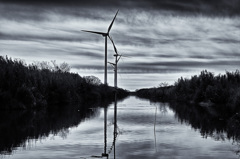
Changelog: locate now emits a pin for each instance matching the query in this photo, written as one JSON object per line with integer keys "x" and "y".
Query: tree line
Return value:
{"x": 40, "y": 86}
{"x": 220, "y": 90}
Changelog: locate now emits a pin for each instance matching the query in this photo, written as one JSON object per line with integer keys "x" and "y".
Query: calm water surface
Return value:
{"x": 144, "y": 130}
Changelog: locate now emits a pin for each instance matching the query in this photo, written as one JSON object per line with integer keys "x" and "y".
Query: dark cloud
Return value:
{"x": 226, "y": 40}
{"x": 93, "y": 67}
{"x": 167, "y": 56}
{"x": 88, "y": 54}
{"x": 132, "y": 68}
{"x": 51, "y": 37}
{"x": 218, "y": 7}
{"x": 213, "y": 6}
{"x": 206, "y": 57}
{"x": 21, "y": 12}
{"x": 188, "y": 63}
{"x": 175, "y": 66}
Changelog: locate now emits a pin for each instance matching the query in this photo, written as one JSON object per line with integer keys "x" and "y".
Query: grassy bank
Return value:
{"x": 32, "y": 87}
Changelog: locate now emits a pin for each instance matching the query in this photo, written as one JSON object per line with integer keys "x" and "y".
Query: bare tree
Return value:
{"x": 93, "y": 80}
{"x": 53, "y": 66}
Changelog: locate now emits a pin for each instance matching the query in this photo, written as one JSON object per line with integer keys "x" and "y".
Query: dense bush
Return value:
{"x": 219, "y": 90}
{"x": 41, "y": 86}
{"x": 223, "y": 91}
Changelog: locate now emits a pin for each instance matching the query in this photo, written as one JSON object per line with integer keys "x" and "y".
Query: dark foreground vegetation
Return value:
{"x": 39, "y": 86}
{"x": 218, "y": 96}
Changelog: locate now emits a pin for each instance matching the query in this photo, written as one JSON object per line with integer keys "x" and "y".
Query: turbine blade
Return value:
{"x": 111, "y": 63}
{"x": 115, "y": 49}
{"x": 110, "y": 26}
{"x": 122, "y": 59}
{"x": 95, "y": 32}
{"x": 119, "y": 58}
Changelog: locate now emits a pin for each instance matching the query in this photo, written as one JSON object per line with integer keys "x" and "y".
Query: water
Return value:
{"x": 144, "y": 130}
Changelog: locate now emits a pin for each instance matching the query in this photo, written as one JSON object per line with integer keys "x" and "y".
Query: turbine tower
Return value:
{"x": 105, "y": 35}
{"x": 117, "y": 58}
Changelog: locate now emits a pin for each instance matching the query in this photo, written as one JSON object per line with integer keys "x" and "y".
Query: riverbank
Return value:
{"x": 204, "y": 89}
{"x": 218, "y": 95}
{"x": 39, "y": 86}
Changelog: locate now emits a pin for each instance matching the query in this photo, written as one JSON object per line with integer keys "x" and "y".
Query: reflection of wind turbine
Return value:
{"x": 104, "y": 35}
{"x": 115, "y": 124}
{"x": 115, "y": 133}
{"x": 155, "y": 129}
{"x": 104, "y": 154}
{"x": 105, "y": 133}
{"x": 117, "y": 58}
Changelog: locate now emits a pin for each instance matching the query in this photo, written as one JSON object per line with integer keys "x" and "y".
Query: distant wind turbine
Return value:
{"x": 105, "y": 35}
{"x": 117, "y": 58}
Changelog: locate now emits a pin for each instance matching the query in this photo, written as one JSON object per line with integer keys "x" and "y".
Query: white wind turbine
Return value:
{"x": 117, "y": 58}
{"x": 105, "y": 35}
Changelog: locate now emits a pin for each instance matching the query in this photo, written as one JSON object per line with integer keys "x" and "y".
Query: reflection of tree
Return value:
{"x": 163, "y": 108}
{"x": 63, "y": 133}
{"x": 209, "y": 121}
{"x": 17, "y": 128}
{"x": 237, "y": 145}
{"x": 200, "y": 118}
{"x": 234, "y": 126}
{"x": 238, "y": 151}
{"x": 219, "y": 136}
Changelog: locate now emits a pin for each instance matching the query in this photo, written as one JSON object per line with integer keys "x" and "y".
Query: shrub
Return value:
{"x": 38, "y": 86}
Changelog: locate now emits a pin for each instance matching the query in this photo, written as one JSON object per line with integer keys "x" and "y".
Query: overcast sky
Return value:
{"x": 166, "y": 39}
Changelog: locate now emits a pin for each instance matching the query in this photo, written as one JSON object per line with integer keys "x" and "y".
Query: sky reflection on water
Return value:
{"x": 135, "y": 139}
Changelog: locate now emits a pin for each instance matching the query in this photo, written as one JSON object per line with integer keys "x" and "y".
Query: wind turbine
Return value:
{"x": 117, "y": 58}
{"x": 105, "y": 35}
